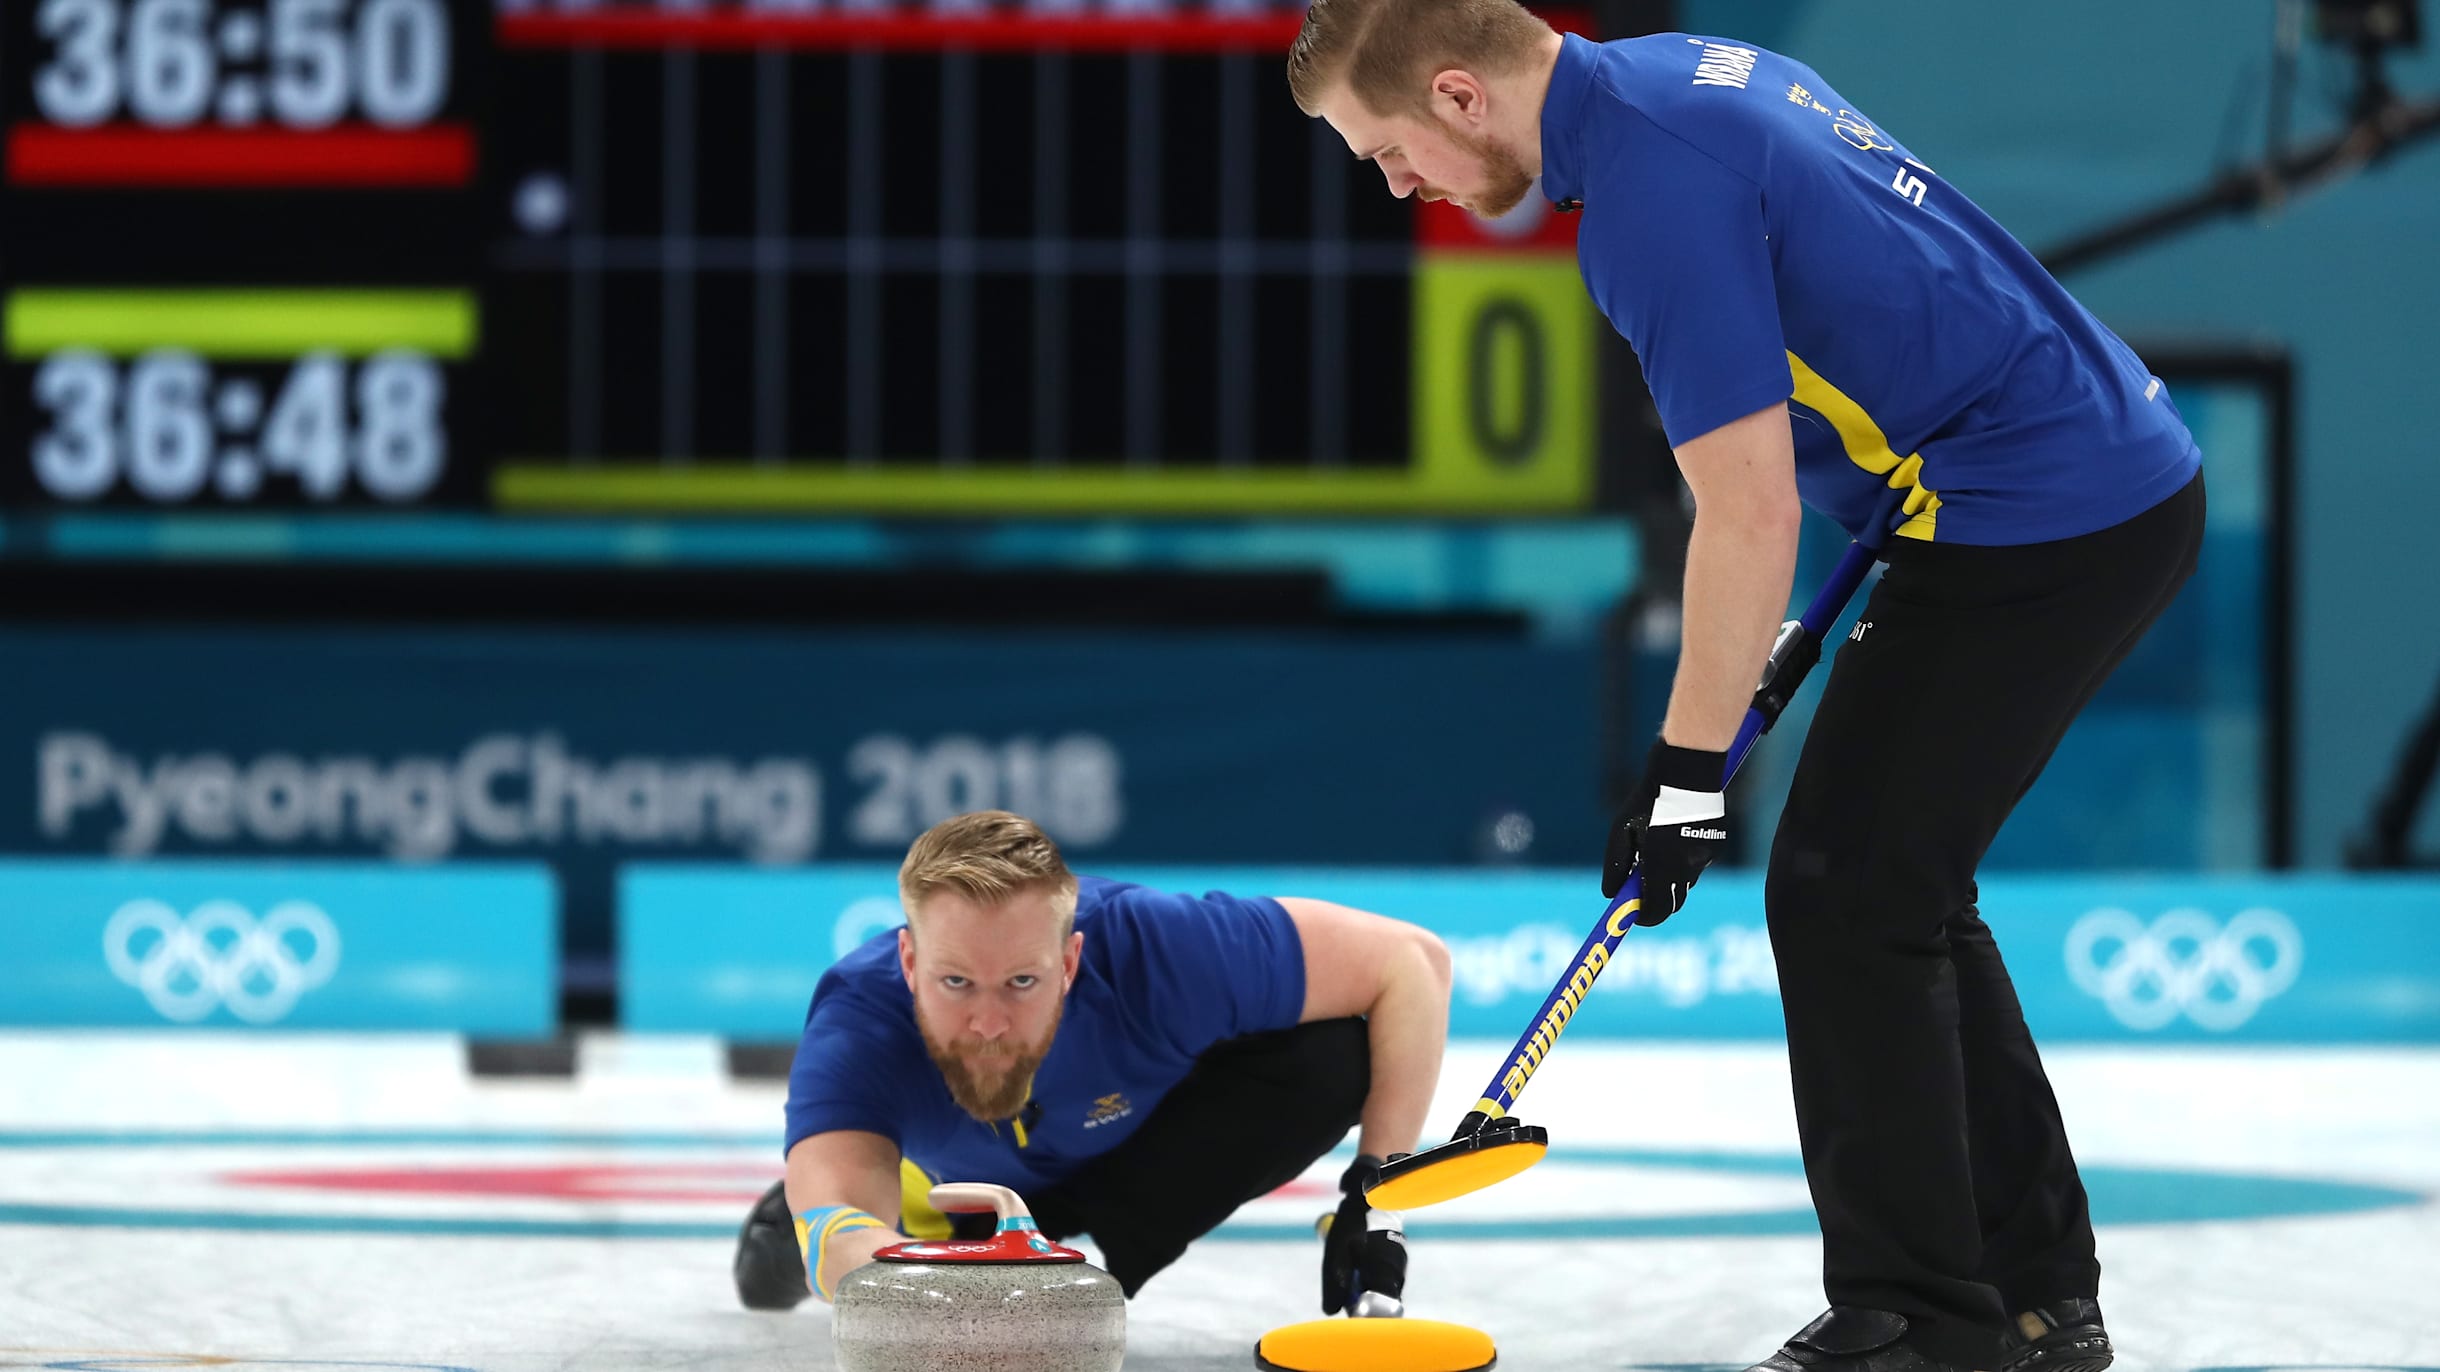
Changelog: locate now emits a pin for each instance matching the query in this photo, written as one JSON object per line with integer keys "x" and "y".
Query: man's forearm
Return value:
{"x": 827, "y": 1263}
{"x": 818, "y": 1195}
{"x": 1407, "y": 1029}
{"x": 1738, "y": 572}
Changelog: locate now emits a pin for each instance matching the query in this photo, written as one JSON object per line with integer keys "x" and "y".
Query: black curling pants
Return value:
{"x": 1251, "y": 1117}
{"x": 1938, "y": 1163}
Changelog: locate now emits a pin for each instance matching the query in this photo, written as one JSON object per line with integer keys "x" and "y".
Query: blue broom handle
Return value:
{"x": 1818, "y": 617}
{"x": 1567, "y": 997}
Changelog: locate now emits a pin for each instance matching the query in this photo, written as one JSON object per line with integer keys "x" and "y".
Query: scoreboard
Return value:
{"x": 241, "y": 253}
{"x": 761, "y": 255}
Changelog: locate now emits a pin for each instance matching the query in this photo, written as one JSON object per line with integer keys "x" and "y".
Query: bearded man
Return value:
{"x": 1137, "y": 1064}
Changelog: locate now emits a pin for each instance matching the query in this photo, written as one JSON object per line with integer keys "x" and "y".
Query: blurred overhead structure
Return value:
{"x": 2379, "y": 122}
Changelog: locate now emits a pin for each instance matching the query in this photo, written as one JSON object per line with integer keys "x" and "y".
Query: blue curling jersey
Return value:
{"x": 1759, "y": 240}
{"x": 1161, "y": 978}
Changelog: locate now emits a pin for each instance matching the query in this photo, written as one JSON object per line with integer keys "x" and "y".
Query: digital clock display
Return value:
{"x": 196, "y": 92}
{"x": 172, "y": 63}
{"x": 235, "y": 397}
{"x": 242, "y": 252}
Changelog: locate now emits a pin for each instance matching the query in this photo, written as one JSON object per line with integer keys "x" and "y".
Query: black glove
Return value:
{"x": 1677, "y": 823}
{"x": 1363, "y": 1249}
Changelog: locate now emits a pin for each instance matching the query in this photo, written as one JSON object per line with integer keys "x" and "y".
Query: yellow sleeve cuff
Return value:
{"x": 814, "y": 1231}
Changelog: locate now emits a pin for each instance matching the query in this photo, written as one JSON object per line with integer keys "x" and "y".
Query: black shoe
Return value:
{"x": 2063, "y": 1336}
{"x": 1849, "y": 1338}
{"x": 769, "y": 1268}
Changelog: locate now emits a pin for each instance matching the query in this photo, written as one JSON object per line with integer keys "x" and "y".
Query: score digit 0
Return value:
{"x": 1507, "y": 379}
{"x": 1503, "y": 364}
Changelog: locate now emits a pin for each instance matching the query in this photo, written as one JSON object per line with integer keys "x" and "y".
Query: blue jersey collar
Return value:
{"x": 1571, "y": 80}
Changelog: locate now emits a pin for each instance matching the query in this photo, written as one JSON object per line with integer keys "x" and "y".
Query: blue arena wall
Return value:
{"x": 734, "y": 951}
{"x": 589, "y": 749}
{"x": 2306, "y": 960}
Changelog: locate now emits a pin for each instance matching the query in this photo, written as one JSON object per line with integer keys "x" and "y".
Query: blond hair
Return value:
{"x": 987, "y": 857}
{"x": 1387, "y": 51}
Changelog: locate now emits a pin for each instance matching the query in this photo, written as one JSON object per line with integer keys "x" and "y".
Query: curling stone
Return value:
{"x": 1015, "y": 1302}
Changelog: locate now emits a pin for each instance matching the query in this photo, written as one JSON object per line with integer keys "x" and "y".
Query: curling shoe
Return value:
{"x": 769, "y": 1268}
{"x": 2063, "y": 1336}
{"x": 1849, "y": 1338}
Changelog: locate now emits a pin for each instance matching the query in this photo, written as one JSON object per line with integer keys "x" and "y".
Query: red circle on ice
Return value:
{"x": 741, "y": 1183}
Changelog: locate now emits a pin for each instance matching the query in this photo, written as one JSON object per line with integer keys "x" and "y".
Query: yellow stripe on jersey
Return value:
{"x": 916, "y": 1217}
{"x": 1868, "y": 448}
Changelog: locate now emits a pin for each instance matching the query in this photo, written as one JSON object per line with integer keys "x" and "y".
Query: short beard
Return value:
{"x": 1002, "y": 1094}
{"x": 1507, "y": 182}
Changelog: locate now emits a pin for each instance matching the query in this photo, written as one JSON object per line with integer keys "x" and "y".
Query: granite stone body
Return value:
{"x": 979, "y": 1317}
{"x": 1013, "y": 1303}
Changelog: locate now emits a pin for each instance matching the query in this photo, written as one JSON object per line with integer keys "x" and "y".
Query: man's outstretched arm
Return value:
{"x": 843, "y": 1191}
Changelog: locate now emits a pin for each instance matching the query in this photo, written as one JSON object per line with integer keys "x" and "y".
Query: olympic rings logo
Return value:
{"x": 860, "y": 921}
{"x": 220, "y": 955}
{"x": 2184, "y": 963}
